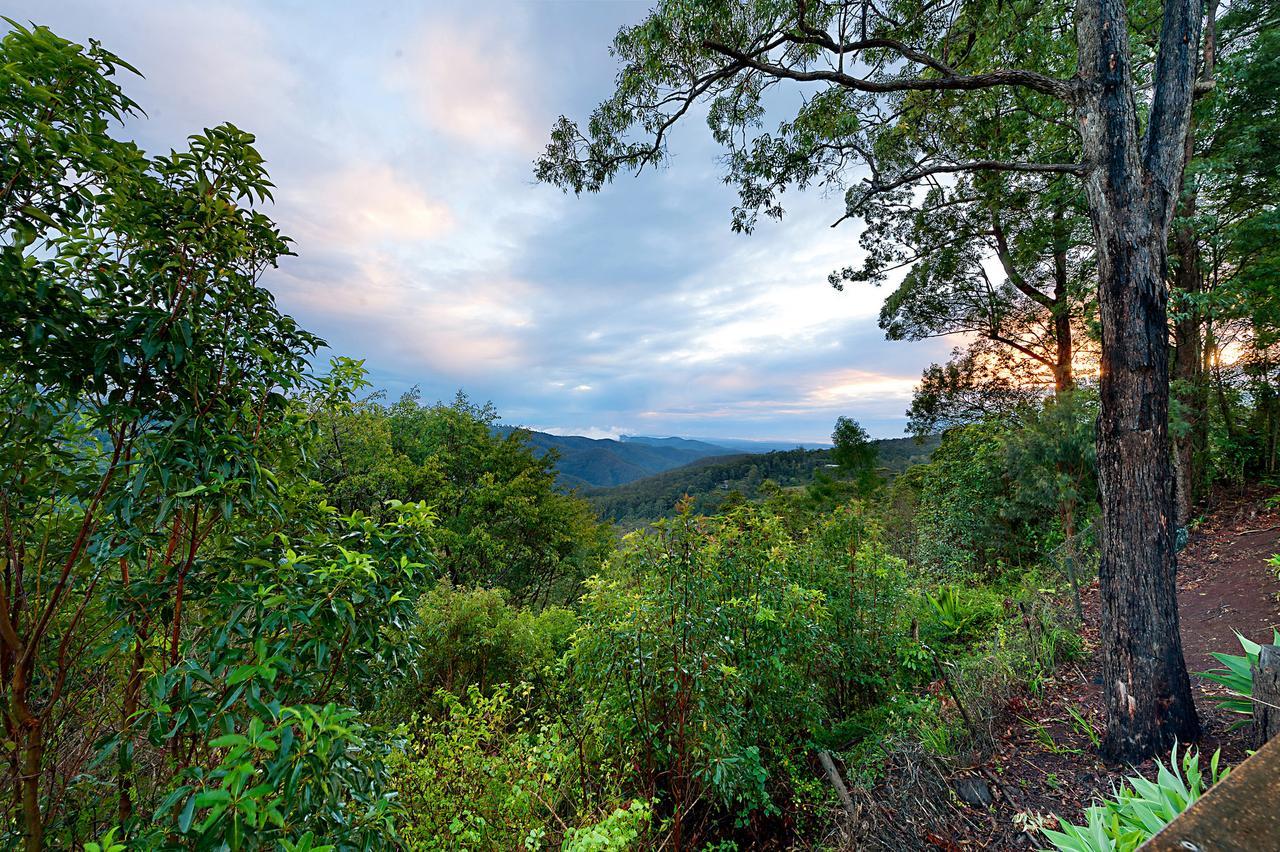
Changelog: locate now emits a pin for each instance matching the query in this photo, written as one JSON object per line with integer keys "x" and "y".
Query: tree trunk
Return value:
{"x": 1266, "y": 695}
{"x": 1131, "y": 184}
{"x": 1191, "y": 445}
{"x": 1063, "y": 372}
{"x": 32, "y": 767}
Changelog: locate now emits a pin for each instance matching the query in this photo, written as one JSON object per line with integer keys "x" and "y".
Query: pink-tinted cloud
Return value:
{"x": 469, "y": 82}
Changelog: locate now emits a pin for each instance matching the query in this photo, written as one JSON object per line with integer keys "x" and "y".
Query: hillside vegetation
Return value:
{"x": 593, "y": 462}
{"x": 714, "y": 482}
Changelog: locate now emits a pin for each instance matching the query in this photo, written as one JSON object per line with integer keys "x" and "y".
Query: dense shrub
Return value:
{"x": 481, "y": 776}
{"x": 698, "y": 661}
{"x": 867, "y": 600}
{"x": 478, "y": 638}
{"x": 501, "y": 520}
{"x": 1003, "y": 491}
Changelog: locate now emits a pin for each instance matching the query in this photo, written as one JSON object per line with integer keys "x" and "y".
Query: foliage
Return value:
{"x": 974, "y": 385}
{"x": 855, "y": 454}
{"x": 502, "y": 522}
{"x": 476, "y": 638}
{"x": 197, "y": 630}
{"x": 1141, "y": 808}
{"x": 480, "y": 776}
{"x": 710, "y": 481}
{"x": 960, "y": 525}
{"x": 1237, "y": 676}
{"x": 698, "y": 662}
{"x": 617, "y": 832}
{"x": 866, "y": 594}
{"x": 953, "y": 616}
{"x": 1006, "y": 490}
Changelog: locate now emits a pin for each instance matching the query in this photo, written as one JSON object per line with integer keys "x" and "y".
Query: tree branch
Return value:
{"x": 875, "y": 188}
{"x": 1063, "y": 89}
{"x": 1174, "y": 86}
{"x": 1006, "y": 261}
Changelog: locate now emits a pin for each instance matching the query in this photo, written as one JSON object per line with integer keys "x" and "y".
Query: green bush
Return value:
{"x": 959, "y": 523}
{"x": 868, "y": 606}
{"x": 478, "y": 637}
{"x": 483, "y": 776}
{"x": 698, "y": 662}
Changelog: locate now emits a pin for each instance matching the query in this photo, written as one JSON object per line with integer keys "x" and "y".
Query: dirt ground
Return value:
{"x": 1045, "y": 761}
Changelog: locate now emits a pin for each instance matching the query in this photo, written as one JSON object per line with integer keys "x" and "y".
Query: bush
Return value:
{"x": 477, "y": 637}
{"x": 698, "y": 661}
{"x": 867, "y": 603}
{"x": 959, "y": 523}
{"x": 484, "y": 776}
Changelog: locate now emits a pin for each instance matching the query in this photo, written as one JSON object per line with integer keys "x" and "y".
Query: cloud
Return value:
{"x": 468, "y": 81}
{"x": 400, "y": 140}
{"x": 364, "y": 204}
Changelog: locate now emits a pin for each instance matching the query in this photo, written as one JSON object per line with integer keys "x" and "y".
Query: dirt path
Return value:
{"x": 1225, "y": 584}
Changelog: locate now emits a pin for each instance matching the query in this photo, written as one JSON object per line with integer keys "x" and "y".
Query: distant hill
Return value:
{"x": 734, "y": 445}
{"x": 709, "y": 480}
{"x": 595, "y": 462}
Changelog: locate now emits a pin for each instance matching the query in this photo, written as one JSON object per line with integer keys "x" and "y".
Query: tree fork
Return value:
{"x": 1132, "y": 189}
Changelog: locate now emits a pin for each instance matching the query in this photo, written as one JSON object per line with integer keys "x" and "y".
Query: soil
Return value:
{"x": 1045, "y": 762}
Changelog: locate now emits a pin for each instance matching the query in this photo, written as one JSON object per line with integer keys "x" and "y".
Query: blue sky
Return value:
{"x": 401, "y": 138}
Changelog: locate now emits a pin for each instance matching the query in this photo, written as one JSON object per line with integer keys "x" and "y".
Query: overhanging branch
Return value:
{"x": 876, "y": 188}
{"x": 1063, "y": 89}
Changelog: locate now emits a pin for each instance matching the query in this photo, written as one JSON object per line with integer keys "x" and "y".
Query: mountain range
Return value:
{"x": 605, "y": 462}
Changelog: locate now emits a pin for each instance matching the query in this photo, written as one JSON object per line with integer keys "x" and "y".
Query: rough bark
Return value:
{"x": 1132, "y": 184}
{"x": 1266, "y": 696}
{"x": 1191, "y": 444}
{"x": 1063, "y": 372}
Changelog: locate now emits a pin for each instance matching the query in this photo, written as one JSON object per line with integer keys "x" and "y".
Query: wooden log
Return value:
{"x": 1266, "y": 696}
{"x": 1238, "y": 814}
{"x": 833, "y": 775}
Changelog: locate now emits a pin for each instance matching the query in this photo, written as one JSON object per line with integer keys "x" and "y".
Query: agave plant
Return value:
{"x": 1237, "y": 676}
{"x": 1141, "y": 808}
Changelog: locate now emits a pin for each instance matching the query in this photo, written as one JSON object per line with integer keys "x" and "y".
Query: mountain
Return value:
{"x": 709, "y": 480}
{"x": 587, "y": 462}
{"x": 733, "y": 445}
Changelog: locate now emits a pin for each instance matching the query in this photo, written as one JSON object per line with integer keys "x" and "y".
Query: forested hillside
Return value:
{"x": 584, "y": 462}
{"x": 249, "y": 602}
{"x": 717, "y": 481}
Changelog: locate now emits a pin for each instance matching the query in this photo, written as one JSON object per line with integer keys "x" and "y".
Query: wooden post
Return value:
{"x": 1266, "y": 695}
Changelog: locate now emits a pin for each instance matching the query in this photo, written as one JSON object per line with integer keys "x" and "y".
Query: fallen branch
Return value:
{"x": 833, "y": 775}
{"x": 1264, "y": 529}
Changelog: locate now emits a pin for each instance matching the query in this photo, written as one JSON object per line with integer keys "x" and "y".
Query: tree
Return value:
{"x": 976, "y": 384}
{"x": 875, "y": 78}
{"x": 1225, "y": 278}
{"x": 501, "y": 520}
{"x": 177, "y": 607}
{"x": 856, "y": 455}
{"x": 1032, "y": 224}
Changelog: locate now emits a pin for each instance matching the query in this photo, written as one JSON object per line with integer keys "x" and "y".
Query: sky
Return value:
{"x": 401, "y": 137}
